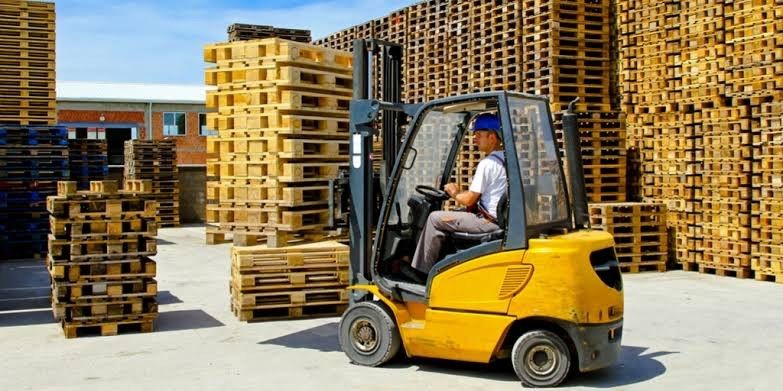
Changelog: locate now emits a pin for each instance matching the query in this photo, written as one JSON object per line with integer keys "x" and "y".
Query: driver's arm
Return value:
{"x": 467, "y": 198}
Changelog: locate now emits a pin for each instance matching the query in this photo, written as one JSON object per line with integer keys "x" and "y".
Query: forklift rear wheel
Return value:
{"x": 541, "y": 359}
{"x": 368, "y": 334}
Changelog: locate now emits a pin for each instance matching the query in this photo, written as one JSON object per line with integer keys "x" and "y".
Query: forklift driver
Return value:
{"x": 483, "y": 196}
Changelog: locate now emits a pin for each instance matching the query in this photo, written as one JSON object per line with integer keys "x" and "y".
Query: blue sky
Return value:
{"x": 149, "y": 41}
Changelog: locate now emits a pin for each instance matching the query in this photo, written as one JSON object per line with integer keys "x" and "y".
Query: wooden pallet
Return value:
{"x": 272, "y": 238}
{"x": 718, "y": 269}
{"x": 104, "y": 310}
{"x": 326, "y": 254}
{"x": 637, "y": 267}
{"x": 74, "y": 271}
{"x": 231, "y": 148}
{"x": 87, "y": 289}
{"x": 239, "y": 76}
{"x": 298, "y": 312}
{"x": 274, "y": 50}
{"x": 269, "y": 281}
{"x": 143, "y": 324}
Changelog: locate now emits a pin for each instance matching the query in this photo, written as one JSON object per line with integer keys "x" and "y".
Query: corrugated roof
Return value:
{"x": 130, "y": 92}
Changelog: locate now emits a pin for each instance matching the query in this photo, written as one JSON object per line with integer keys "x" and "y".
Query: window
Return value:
{"x": 542, "y": 179}
{"x": 202, "y": 125}
{"x": 174, "y": 124}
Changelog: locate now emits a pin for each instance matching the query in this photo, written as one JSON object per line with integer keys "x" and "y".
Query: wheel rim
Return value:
{"x": 541, "y": 360}
{"x": 364, "y": 336}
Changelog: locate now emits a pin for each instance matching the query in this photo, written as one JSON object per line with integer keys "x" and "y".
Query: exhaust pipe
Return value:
{"x": 575, "y": 169}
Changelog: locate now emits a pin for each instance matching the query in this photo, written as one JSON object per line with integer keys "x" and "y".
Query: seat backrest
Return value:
{"x": 502, "y": 211}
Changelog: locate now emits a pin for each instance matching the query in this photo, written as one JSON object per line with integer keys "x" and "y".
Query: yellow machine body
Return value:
{"x": 473, "y": 305}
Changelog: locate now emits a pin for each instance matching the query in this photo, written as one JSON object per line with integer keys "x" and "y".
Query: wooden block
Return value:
{"x": 65, "y": 188}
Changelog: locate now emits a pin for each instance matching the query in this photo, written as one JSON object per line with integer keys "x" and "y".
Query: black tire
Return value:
{"x": 541, "y": 359}
{"x": 368, "y": 334}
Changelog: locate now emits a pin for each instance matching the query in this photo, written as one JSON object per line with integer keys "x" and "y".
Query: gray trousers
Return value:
{"x": 438, "y": 225}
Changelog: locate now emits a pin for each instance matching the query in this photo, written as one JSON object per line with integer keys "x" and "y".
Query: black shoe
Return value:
{"x": 412, "y": 274}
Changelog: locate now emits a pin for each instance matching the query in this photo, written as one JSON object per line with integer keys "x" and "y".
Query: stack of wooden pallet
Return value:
{"x": 291, "y": 282}
{"x": 281, "y": 113}
{"x": 247, "y": 32}
{"x": 27, "y": 63}
{"x": 557, "y": 48}
{"x": 88, "y": 161}
{"x": 100, "y": 246}
{"x": 700, "y": 85}
{"x": 32, "y": 160}
{"x": 639, "y": 230}
{"x": 767, "y": 235}
{"x": 567, "y": 55}
{"x": 156, "y": 160}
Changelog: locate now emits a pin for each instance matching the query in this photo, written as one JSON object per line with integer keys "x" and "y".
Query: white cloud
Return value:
{"x": 162, "y": 41}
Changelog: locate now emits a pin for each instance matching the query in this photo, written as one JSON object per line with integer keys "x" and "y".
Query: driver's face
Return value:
{"x": 486, "y": 140}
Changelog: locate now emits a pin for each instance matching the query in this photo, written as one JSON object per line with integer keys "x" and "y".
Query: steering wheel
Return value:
{"x": 432, "y": 193}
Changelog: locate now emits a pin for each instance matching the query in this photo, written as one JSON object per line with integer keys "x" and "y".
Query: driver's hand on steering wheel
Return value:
{"x": 451, "y": 189}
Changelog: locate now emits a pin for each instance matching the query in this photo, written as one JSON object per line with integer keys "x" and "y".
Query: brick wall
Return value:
{"x": 109, "y": 117}
{"x": 191, "y": 147}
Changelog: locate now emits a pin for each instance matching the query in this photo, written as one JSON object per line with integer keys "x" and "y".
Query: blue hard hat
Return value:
{"x": 485, "y": 121}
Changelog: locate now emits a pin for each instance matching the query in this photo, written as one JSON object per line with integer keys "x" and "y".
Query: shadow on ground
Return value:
{"x": 24, "y": 285}
{"x": 26, "y": 318}
{"x": 165, "y": 297}
{"x": 322, "y": 338}
{"x": 185, "y": 320}
{"x": 636, "y": 364}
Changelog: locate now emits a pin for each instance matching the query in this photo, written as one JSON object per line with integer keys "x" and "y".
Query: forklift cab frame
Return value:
{"x": 427, "y": 156}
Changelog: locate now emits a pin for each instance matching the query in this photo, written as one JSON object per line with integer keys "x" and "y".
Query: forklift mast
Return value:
{"x": 364, "y": 186}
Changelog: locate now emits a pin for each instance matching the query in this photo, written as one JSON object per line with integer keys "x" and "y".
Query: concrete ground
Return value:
{"x": 683, "y": 331}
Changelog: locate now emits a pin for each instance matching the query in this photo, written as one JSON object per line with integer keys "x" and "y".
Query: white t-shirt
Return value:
{"x": 490, "y": 180}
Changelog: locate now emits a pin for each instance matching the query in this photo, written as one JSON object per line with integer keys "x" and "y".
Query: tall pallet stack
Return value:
{"x": 291, "y": 282}
{"x": 566, "y": 55}
{"x": 88, "y": 161}
{"x": 100, "y": 244}
{"x": 556, "y": 48}
{"x": 156, "y": 160}
{"x": 281, "y": 113}
{"x": 700, "y": 82}
{"x": 32, "y": 160}
{"x": 767, "y": 235}
{"x": 27, "y": 63}
{"x": 754, "y": 36}
{"x": 639, "y": 230}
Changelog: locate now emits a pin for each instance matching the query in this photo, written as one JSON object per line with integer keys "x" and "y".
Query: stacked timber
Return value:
{"x": 100, "y": 244}
{"x": 156, "y": 160}
{"x": 33, "y": 158}
{"x": 561, "y": 49}
{"x": 291, "y": 282}
{"x": 27, "y": 63}
{"x": 281, "y": 113}
{"x": 639, "y": 230}
{"x": 701, "y": 84}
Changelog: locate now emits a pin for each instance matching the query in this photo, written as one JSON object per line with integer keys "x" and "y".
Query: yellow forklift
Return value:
{"x": 543, "y": 290}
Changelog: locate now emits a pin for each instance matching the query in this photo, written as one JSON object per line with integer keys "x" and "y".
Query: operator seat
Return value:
{"x": 465, "y": 239}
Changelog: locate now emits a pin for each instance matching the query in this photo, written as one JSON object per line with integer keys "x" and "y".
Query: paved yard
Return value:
{"x": 683, "y": 331}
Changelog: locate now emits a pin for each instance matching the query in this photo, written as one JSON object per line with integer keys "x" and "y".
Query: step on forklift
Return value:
{"x": 543, "y": 290}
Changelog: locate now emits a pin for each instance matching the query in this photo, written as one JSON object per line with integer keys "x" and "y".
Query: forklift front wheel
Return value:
{"x": 541, "y": 359}
{"x": 368, "y": 334}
